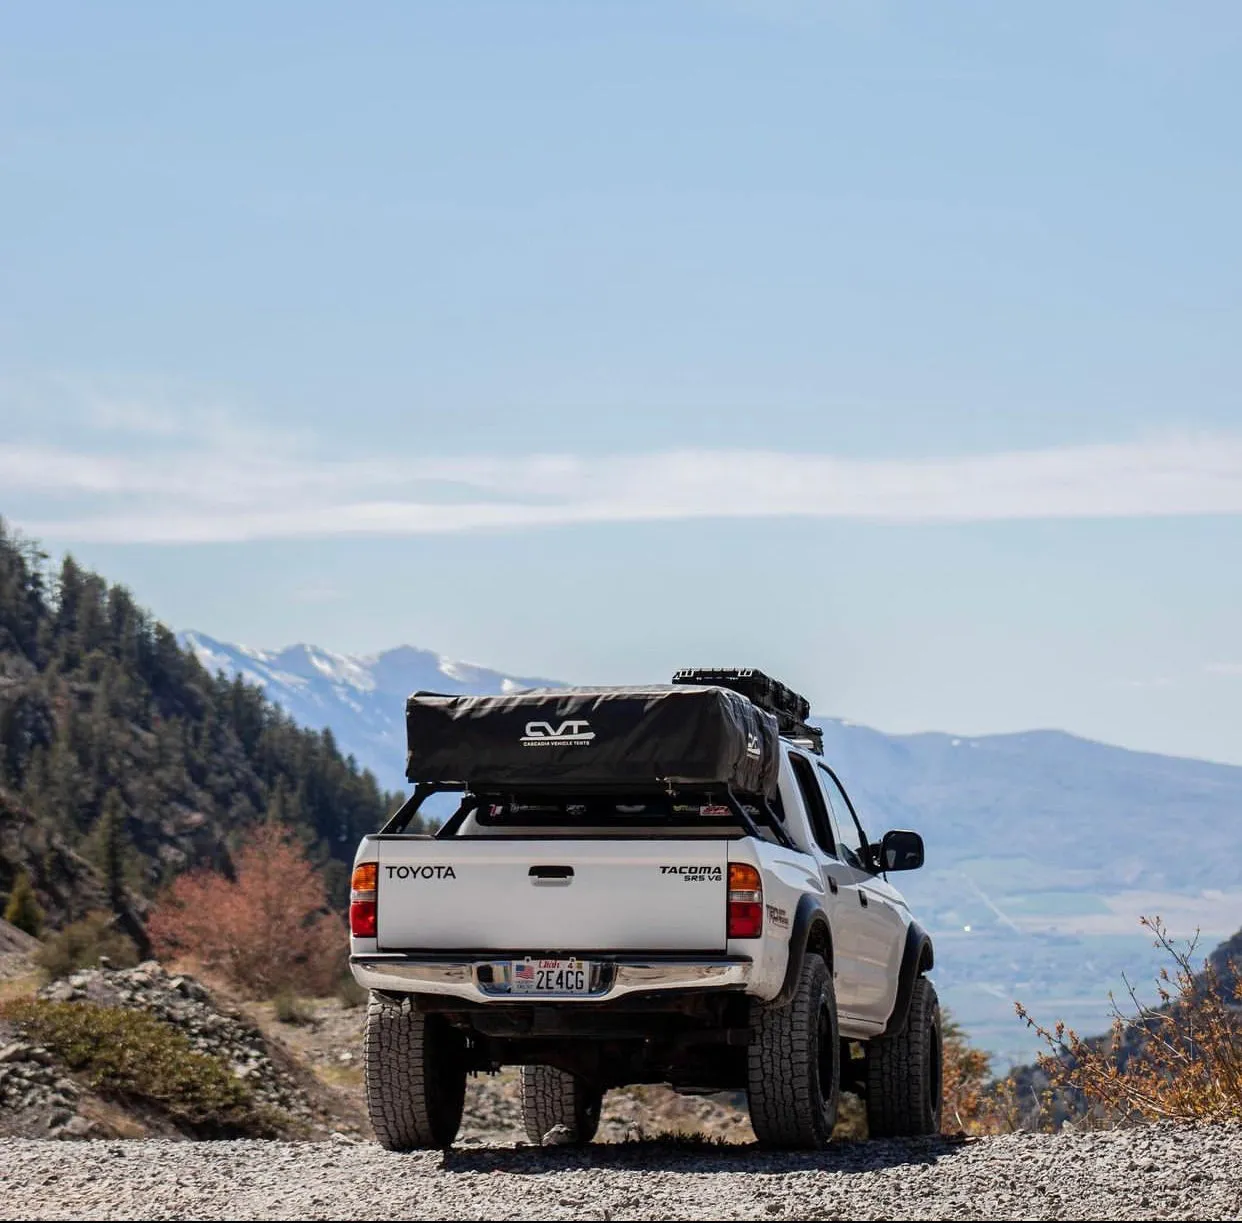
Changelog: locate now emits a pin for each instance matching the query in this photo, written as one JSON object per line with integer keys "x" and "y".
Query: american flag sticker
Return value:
{"x": 523, "y": 973}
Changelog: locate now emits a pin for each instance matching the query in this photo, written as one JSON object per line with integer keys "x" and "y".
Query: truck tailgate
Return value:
{"x": 515, "y": 894}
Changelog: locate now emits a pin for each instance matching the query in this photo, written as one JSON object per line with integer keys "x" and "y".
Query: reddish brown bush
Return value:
{"x": 268, "y": 930}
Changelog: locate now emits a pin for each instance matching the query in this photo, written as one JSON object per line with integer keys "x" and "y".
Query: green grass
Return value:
{"x": 133, "y": 1057}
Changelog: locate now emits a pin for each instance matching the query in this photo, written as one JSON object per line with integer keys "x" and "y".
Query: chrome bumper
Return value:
{"x": 487, "y": 980}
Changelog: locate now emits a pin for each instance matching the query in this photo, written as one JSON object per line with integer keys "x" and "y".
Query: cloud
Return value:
{"x": 204, "y": 477}
{"x": 1224, "y": 668}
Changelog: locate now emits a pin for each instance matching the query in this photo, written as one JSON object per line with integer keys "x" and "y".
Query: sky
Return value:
{"x": 892, "y": 348}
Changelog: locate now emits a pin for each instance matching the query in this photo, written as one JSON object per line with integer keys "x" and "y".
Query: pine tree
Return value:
{"x": 110, "y": 840}
{"x": 23, "y": 909}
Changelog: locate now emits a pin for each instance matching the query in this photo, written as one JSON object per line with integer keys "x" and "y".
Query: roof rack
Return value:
{"x": 789, "y": 708}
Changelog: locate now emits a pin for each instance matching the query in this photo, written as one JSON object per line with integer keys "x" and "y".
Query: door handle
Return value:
{"x": 862, "y": 898}
{"x": 551, "y": 876}
{"x": 833, "y": 887}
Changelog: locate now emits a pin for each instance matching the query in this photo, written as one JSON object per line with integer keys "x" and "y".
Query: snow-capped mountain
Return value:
{"x": 360, "y": 698}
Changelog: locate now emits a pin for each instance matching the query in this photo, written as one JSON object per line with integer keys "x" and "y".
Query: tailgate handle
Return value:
{"x": 551, "y": 876}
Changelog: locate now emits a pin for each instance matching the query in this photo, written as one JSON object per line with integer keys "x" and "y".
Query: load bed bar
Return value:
{"x": 400, "y": 819}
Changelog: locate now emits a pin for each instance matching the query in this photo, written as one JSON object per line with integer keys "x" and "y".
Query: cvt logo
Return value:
{"x": 542, "y": 734}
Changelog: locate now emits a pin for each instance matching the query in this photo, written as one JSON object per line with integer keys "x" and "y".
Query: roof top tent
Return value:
{"x": 714, "y": 730}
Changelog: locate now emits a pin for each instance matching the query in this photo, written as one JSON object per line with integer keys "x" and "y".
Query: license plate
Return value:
{"x": 550, "y": 977}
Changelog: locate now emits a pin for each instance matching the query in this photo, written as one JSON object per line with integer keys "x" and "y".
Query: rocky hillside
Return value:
{"x": 142, "y": 1051}
{"x": 120, "y": 751}
{"x": 67, "y": 884}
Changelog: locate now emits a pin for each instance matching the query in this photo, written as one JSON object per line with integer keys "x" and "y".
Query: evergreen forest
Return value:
{"x": 119, "y": 750}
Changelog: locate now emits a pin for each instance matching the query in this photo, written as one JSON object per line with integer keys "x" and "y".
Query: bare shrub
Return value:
{"x": 290, "y": 1009}
{"x": 84, "y": 943}
{"x": 267, "y": 930}
{"x": 968, "y": 1108}
{"x": 1178, "y": 1061}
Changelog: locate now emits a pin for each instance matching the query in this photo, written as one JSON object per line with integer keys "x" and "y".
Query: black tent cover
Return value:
{"x": 592, "y": 738}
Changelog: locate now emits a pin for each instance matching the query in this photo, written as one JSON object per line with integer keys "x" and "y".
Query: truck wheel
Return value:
{"x": 904, "y": 1072}
{"x": 415, "y": 1074}
{"x": 554, "y": 1098}
{"x": 794, "y": 1067}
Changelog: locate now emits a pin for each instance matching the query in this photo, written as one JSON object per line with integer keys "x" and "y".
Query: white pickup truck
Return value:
{"x": 700, "y": 908}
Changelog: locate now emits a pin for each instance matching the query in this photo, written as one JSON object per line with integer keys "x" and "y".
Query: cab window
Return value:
{"x": 813, "y": 801}
{"x": 850, "y": 839}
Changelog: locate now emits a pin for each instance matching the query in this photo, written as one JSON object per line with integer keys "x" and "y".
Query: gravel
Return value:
{"x": 1161, "y": 1172}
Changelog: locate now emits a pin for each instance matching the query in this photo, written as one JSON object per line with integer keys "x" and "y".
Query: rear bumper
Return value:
{"x": 486, "y": 979}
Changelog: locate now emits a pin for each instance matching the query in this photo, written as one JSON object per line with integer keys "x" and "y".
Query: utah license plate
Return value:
{"x": 550, "y": 976}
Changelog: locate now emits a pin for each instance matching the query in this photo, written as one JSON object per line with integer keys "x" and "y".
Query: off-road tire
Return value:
{"x": 415, "y": 1075}
{"x": 794, "y": 1066}
{"x": 904, "y": 1072}
{"x": 552, "y": 1097}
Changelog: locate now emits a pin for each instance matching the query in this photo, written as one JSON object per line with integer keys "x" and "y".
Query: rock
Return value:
{"x": 186, "y": 1004}
{"x": 558, "y": 1136}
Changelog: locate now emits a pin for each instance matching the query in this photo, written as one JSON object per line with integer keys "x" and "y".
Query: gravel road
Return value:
{"x": 1159, "y": 1173}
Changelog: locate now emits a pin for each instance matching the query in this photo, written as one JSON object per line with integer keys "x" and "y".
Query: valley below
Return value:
{"x": 1060, "y": 954}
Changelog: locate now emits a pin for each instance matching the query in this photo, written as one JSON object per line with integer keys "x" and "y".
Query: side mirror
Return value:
{"x": 901, "y": 851}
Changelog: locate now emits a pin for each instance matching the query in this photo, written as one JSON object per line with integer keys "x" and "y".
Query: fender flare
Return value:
{"x": 810, "y": 929}
{"x": 917, "y": 958}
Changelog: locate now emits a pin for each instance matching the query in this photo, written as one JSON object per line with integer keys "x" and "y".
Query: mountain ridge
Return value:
{"x": 474, "y": 677}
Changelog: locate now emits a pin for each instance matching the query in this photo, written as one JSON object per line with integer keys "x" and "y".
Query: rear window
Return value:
{"x": 631, "y": 810}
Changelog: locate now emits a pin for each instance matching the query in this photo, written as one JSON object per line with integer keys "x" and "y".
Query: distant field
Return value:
{"x": 980, "y": 974}
{"x": 1216, "y": 915}
{"x": 1053, "y": 904}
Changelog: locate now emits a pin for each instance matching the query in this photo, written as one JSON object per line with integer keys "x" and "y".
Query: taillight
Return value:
{"x": 745, "y": 901}
{"x": 362, "y": 889}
